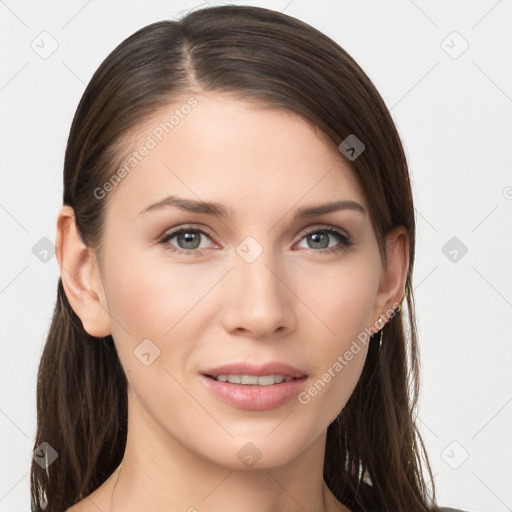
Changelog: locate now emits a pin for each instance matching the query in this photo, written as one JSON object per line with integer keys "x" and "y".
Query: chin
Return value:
{"x": 257, "y": 450}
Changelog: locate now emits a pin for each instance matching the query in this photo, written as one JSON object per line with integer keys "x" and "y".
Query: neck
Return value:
{"x": 162, "y": 473}
{"x": 260, "y": 491}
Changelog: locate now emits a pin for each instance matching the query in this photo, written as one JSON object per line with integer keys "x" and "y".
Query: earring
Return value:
{"x": 378, "y": 335}
{"x": 381, "y": 324}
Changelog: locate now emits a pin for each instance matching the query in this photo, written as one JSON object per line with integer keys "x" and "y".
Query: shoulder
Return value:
{"x": 97, "y": 500}
{"x": 91, "y": 503}
{"x": 78, "y": 507}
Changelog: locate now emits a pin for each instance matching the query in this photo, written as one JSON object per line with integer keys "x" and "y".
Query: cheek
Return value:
{"x": 343, "y": 301}
{"x": 143, "y": 293}
{"x": 338, "y": 363}
{"x": 157, "y": 317}
{"x": 342, "y": 298}
{"x": 161, "y": 302}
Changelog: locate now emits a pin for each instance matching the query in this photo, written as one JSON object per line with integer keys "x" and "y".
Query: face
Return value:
{"x": 253, "y": 284}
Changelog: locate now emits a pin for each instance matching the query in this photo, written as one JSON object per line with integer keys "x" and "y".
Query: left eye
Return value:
{"x": 318, "y": 237}
{"x": 189, "y": 240}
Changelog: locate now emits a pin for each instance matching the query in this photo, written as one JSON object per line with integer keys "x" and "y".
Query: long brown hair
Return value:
{"x": 259, "y": 55}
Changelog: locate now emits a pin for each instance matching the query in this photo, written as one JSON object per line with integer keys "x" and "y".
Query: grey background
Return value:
{"x": 452, "y": 106}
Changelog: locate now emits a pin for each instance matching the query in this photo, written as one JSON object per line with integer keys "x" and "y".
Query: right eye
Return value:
{"x": 189, "y": 238}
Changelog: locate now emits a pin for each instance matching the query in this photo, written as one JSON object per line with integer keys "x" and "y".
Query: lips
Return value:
{"x": 254, "y": 387}
{"x": 271, "y": 368}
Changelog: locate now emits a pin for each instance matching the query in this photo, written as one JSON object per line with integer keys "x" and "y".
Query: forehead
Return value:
{"x": 239, "y": 154}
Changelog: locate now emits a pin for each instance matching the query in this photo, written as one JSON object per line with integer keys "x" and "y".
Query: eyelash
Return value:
{"x": 346, "y": 241}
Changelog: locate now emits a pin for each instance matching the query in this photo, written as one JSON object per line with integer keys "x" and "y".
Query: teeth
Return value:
{"x": 248, "y": 379}
{"x": 254, "y": 380}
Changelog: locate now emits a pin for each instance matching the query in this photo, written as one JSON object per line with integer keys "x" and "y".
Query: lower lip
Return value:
{"x": 254, "y": 397}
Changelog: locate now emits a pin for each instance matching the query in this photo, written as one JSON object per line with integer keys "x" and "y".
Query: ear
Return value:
{"x": 394, "y": 275}
{"x": 80, "y": 274}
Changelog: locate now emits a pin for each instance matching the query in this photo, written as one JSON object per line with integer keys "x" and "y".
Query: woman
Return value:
{"x": 235, "y": 245}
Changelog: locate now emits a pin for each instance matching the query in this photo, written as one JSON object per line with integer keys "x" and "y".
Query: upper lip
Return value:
{"x": 270, "y": 368}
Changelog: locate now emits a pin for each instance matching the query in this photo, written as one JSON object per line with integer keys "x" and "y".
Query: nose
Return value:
{"x": 258, "y": 298}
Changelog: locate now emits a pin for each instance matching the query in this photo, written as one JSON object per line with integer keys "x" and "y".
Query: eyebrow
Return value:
{"x": 211, "y": 208}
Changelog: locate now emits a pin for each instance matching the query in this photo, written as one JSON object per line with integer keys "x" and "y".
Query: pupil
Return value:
{"x": 315, "y": 238}
{"x": 187, "y": 237}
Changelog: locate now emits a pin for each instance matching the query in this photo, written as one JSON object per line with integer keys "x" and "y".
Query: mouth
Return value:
{"x": 252, "y": 387}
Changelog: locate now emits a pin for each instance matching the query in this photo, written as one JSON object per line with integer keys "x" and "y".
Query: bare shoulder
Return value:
{"x": 92, "y": 503}
{"x": 99, "y": 499}
{"x": 84, "y": 505}
{"x": 77, "y": 507}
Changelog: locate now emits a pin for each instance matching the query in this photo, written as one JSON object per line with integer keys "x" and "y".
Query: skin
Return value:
{"x": 292, "y": 304}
